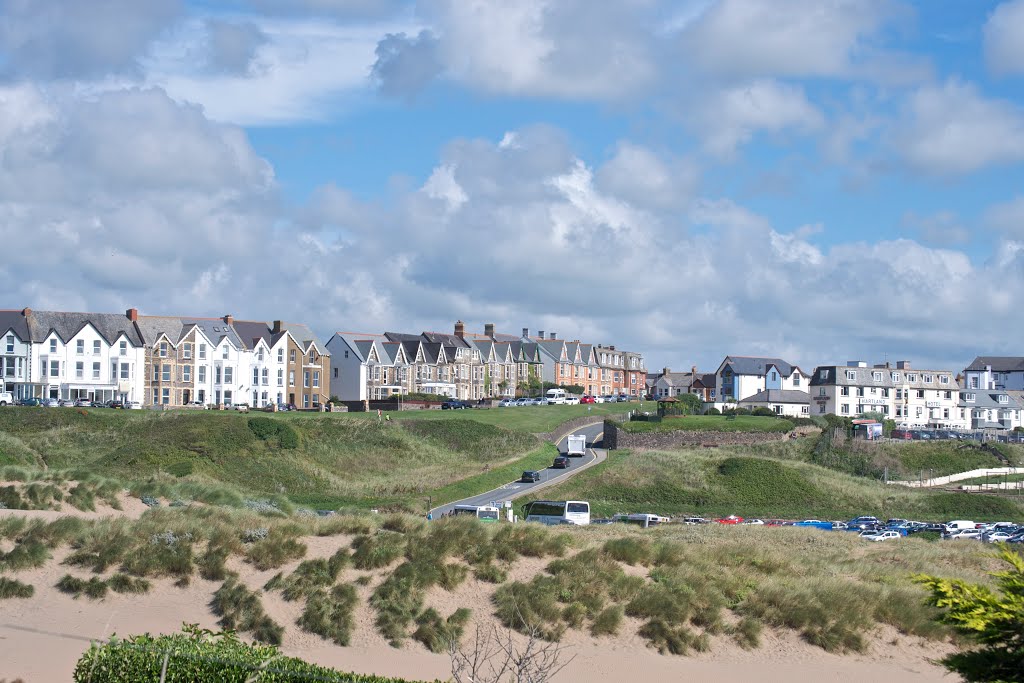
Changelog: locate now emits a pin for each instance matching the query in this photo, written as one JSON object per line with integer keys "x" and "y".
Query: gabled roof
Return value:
{"x": 305, "y": 337}
{"x": 446, "y": 339}
{"x": 251, "y": 331}
{"x": 66, "y": 325}
{"x": 153, "y": 327}
{"x": 989, "y": 400}
{"x": 998, "y": 363}
{"x": 16, "y": 322}
{"x": 779, "y": 396}
{"x": 836, "y": 375}
{"x": 215, "y": 329}
{"x": 756, "y": 365}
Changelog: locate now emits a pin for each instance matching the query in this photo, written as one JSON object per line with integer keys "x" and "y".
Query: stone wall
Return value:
{"x": 618, "y": 438}
{"x": 568, "y": 428}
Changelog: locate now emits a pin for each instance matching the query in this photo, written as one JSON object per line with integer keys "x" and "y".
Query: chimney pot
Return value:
{"x": 229, "y": 319}
{"x": 526, "y": 332}
{"x": 460, "y": 329}
{"x": 489, "y": 330}
{"x": 132, "y": 314}
{"x": 666, "y": 370}
{"x": 278, "y": 327}
{"x": 540, "y": 334}
{"x": 27, "y": 312}
{"x": 554, "y": 335}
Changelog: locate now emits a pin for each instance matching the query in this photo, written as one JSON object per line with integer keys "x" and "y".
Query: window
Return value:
{"x": 316, "y": 379}
{"x": 53, "y": 346}
{"x": 844, "y": 391}
{"x": 291, "y": 378}
{"x": 54, "y": 368}
{"x": 95, "y": 370}
{"x": 186, "y": 350}
{"x": 911, "y": 376}
{"x": 822, "y": 374}
{"x": 186, "y": 373}
{"x": 305, "y": 378}
{"x": 974, "y": 382}
{"x": 156, "y": 372}
{"x": 796, "y": 380}
{"x": 266, "y": 376}
{"x": 125, "y": 371}
{"x": 80, "y": 347}
{"x": 228, "y": 375}
{"x": 291, "y": 356}
{"x": 920, "y": 393}
{"x": 280, "y": 378}
{"x": 202, "y": 374}
{"x": 96, "y": 347}
{"x": 165, "y": 373}
{"x": 850, "y": 374}
{"x": 216, "y": 375}
{"x": 259, "y": 355}
{"x": 947, "y": 395}
{"x": 927, "y": 379}
{"x": 280, "y": 355}
{"x": 312, "y": 357}
{"x": 165, "y": 396}
{"x": 163, "y": 349}
{"x": 885, "y": 393}
{"x": 822, "y": 392}
{"x": 255, "y": 376}
{"x": 10, "y": 345}
{"x": 336, "y": 372}
{"x": 969, "y": 398}
{"x": 305, "y": 400}
{"x": 1003, "y": 398}
{"x": 778, "y": 409}
{"x": 945, "y": 413}
{"x": 202, "y": 351}
{"x": 156, "y": 396}
{"x": 227, "y": 397}
{"x": 224, "y": 352}
{"x": 123, "y": 347}
{"x": 79, "y": 370}
{"x": 943, "y": 379}
{"x": 860, "y": 391}
{"x": 877, "y": 376}
{"x": 346, "y": 354}
{"x": 845, "y": 409}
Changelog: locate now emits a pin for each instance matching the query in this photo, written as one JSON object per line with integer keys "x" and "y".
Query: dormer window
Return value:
{"x": 895, "y": 377}
{"x": 53, "y": 346}
{"x": 1003, "y": 398}
{"x": 970, "y": 398}
{"x": 877, "y": 376}
{"x": 822, "y": 374}
{"x": 928, "y": 379}
{"x": 943, "y": 379}
{"x": 911, "y": 377}
{"x": 851, "y": 375}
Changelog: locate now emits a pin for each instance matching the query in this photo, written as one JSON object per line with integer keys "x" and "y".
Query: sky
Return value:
{"x": 816, "y": 180}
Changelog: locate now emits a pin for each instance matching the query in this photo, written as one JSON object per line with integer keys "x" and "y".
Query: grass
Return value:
{"x": 94, "y": 588}
{"x": 722, "y": 482}
{"x": 541, "y": 458}
{"x": 310, "y": 577}
{"x": 241, "y": 609}
{"x": 711, "y": 423}
{"x": 12, "y": 588}
{"x": 436, "y": 633}
{"x": 330, "y": 614}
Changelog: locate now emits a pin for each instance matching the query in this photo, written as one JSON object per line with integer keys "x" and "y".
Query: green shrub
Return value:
{"x": 329, "y": 615}
{"x": 398, "y": 601}
{"x": 310, "y": 576}
{"x": 667, "y": 638}
{"x": 12, "y": 588}
{"x": 437, "y": 633}
{"x": 608, "y": 621}
{"x": 528, "y": 540}
{"x": 747, "y": 633}
{"x": 122, "y": 583}
{"x": 379, "y": 550}
{"x": 531, "y": 608}
{"x": 269, "y": 429}
{"x": 275, "y": 550}
{"x": 240, "y": 609}
{"x": 632, "y": 551}
{"x": 167, "y": 554}
{"x": 491, "y": 573}
{"x": 102, "y": 546}
{"x": 200, "y": 655}
{"x": 26, "y": 554}
{"x": 94, "y": 588}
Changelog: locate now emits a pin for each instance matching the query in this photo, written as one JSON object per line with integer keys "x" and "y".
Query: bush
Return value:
{"x": 629, "y": 550}
{"x": 269, "y": 429}
{"x": 437, "y": 633}
{"x": 310, "y": 576}
{"x": 200, "y": 655}
{"x": 329, "y": 615}
{"x": 122, "y": 583}
{"x": 712, "y": 411}
{"x": 380, "y": 550}
{"x": 12, "y": 588}
{"x": 491, "y": 573}
{"x": 275, "y": 550}
{"x": 240, "y": 609}
{"x": 676, "y": 640}
{"x": 94, "y": 588}
{"x": 608, "y": 621}
{"x": 529, "y": 540}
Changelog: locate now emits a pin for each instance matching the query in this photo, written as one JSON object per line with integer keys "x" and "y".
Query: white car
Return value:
{"x": 868, "y": 534}
{"x": 753, "y": 522}
{"x": 133, "y": 405}
{"x": 507, "y": 403}
{"x": 962, "y": 534}
{"x": 50, "y": 403}
{"x": 599, "y": 399}
{"x": 998, "y": 536}
{"x": 6, "y": 398}
{"x": 884, "y": 535}
{"x": 67, "y": 403}
{"x": 241, "y": 407}
{"x": 572, "y": 400}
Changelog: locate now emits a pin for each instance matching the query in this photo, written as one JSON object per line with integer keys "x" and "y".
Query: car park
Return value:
{"x": 530, "y": 477}
{"x": 561, "y": 462}
{"x": 964, "y": 534}
{"x": 998, "y": 537}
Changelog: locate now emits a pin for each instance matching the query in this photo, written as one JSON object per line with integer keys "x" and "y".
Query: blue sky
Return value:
{"x": 820, "y": 181}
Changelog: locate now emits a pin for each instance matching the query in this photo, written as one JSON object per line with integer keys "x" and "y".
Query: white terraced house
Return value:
{"x": 985, "y": 406}
{"x": 740, "y": 377}
{"x": 852, "y": 390}
{"x": 926, "y": 398}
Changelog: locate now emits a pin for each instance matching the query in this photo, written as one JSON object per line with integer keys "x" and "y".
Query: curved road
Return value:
{"x": 548, "y": 477}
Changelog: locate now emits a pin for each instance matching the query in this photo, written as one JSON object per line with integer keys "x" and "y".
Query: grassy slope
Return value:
{"x": 730, "y": 481}
{"x": 712, "y": 423}
{"x": 338, "y": 461}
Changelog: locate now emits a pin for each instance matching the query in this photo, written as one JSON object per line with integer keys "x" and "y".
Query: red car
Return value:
{"x": 901, "y": 434}
{"x": 731, "y": 519}
{"x": 586, "y": 399}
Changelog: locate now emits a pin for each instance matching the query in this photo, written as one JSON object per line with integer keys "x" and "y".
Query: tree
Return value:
{"x": 495, "y": 655}
{"x": 690, "y": 404}
{"x": 995, "y": 621}
{"x": 576, "y": 389}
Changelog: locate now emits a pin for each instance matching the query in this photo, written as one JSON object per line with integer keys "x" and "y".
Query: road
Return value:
{"x": 548, "y": 477}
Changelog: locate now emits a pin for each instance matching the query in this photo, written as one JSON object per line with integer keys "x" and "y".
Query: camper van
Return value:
{"x": 556, "y": 396}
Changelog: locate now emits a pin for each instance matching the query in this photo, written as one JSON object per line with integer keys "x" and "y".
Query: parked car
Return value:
{"x": 610, "y": 398}
{"x": 561, "y": 462}
{"x": 862, "y": 523}
{"x": 524, "y": 401}
{"x": 903, "y": 434}
{"x": 68, "y": 403}
{"x": 31, "y": 402}
{"x": 133, "y": 405}
{"x": 693, "y": 521}
{"x": 753, "y": 522}
{"x": 454, "y": 404}
{"x": 573, "y": 401}
{"x": 241, "y": 407}
{"x": 530, "y": 476}
{"x": 51, "y": 403}
{"x": 6, "y": 398}
{"x": 731, "y": 519}
{"x": 885, "y": 535}
{"x": 599, "y": 399}
{"x": 962, "y": 534}
{"x": 998, "y": 537}
{"x": 119, "y": 405}
{"x": 542, "y": 401}
{"x": 587, "y": 399}
{"x": 507, "y": 403}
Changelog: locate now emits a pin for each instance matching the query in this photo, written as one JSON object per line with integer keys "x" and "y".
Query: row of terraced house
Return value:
{"x": 175, "y": 361}
{"x": 471, "y": 366}
{"x": 987, "y": 394}
{"x": 161, "y": 360}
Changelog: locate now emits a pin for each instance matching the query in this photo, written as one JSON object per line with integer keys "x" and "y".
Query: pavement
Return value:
{"x": 548, "y": 477}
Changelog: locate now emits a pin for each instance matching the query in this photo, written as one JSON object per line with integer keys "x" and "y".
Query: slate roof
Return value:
{"x": 989, "y": 400}
{"x": 109, "y": 325}
{"x": 251, "y": 331}
{"x": 779, "y": 396}
{"x": 304, "y": 335}
{"x": 15, "y": 320}
{"x": 998, "y": 363}
{"x": 708, "y": 380}
{"x": 215, "y": 329}
{"x": 835, "y": 375}
{"x": 446, "y": 339}
{"x": 919, "y": 383}
{"x": 755, "y": 365}
{"x": 678, "y": 380}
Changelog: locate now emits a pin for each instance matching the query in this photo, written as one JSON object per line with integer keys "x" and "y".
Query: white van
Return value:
{"x": 556, "y": 396}
{"x": 6, "y": 399}
{"x": 959, "y": 524}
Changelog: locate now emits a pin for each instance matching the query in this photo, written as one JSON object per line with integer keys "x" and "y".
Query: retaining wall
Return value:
{"x": 618, "y": 438}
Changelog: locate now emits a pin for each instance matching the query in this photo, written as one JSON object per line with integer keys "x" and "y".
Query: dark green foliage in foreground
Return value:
{"x": 200, "y": 655}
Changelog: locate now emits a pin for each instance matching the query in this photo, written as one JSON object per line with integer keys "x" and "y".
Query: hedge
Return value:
{"x": 265, "y": 429}
{"x": 201, "y": 655}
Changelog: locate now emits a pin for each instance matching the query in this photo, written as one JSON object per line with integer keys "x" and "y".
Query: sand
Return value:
{"x": 42, "y": 638}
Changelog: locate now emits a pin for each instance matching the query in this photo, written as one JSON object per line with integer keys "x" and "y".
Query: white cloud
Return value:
{"x": 1004, "y": 38}
{"x": 232, "y": 45}
{"x": 729, "y": 118}
{"x": 942, "y": 228}
{"x": 952, "y": 129}
{"x": 1008, "y": 218}
{"x": 637, "y": 174}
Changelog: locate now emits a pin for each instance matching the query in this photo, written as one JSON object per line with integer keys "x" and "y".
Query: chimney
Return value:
{"x": 666, "y": 371}
{"x": 693, "y": 372}
{"x": 540, "y": 335}
{"x": 611, "y": 348}
{"x": 526, "y": 332}
{"x": 554, "y": 336}
{"x": 229, "y": 319}
{"x": 903, "y": 365}
{"x": 489, "y": 330}
{"x": 133, "y": 314}
{"x": 460, "y": 329}
{"x": 26, "y": 312}
{"x": 278, "y": 327}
